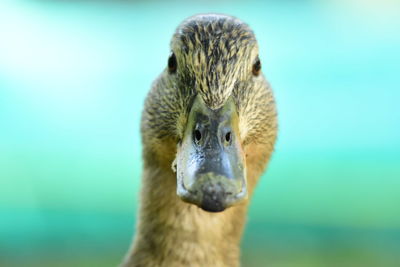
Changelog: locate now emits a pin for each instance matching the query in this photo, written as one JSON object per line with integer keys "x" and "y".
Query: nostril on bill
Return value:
{"x": 228, "y": 137}
{"x": 197, "y": 136}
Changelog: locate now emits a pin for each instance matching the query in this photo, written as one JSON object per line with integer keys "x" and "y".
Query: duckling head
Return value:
{"x": 214, "y": 65}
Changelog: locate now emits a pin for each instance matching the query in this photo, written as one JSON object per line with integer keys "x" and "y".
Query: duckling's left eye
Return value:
{"x": 256, "y": 67}
{"x": 172, "y": 64}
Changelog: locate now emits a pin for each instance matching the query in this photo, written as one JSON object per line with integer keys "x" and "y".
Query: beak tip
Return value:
{"x": 213, "y": 209}
{"x": 212, "y": 193}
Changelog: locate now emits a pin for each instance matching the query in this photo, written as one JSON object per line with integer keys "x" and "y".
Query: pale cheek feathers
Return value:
{"x": 257, "y": 115}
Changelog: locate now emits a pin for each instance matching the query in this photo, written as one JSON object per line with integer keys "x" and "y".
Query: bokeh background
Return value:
{"x": 73, "y": 77}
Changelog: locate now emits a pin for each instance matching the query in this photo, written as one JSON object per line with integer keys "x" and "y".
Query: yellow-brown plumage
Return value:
{"x": 215, "y": 57}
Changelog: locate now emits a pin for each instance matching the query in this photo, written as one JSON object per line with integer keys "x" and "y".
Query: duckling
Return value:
{"x": 208, "y": 130}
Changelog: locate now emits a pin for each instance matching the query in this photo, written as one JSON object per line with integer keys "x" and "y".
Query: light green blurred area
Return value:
{"x": 73, "y": 77}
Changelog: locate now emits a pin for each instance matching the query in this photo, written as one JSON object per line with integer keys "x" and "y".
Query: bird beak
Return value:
{"x": 211, "y": 171}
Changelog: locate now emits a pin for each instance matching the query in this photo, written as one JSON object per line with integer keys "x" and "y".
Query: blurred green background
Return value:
{"x": 73, "y": 77}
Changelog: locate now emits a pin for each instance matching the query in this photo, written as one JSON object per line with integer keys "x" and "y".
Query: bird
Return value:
{"x": 208, "y": 129}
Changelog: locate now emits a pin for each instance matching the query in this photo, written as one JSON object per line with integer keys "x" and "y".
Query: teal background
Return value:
{"x": 73, "y": 77}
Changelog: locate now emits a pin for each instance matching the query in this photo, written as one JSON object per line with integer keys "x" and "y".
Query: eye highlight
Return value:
{"x": 256, "y": 67}
{"x": 172, "y": 64}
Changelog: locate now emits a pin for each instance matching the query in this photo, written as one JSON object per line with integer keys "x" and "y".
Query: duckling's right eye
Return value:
{"x": 256, "y": 67}
{"x": 172, "y": 64}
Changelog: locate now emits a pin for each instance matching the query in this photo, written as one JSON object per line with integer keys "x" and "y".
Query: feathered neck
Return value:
{"x": 173, "y": 233}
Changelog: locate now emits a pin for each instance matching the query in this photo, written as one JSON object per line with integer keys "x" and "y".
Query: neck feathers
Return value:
{"x": 173, "y": 233}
